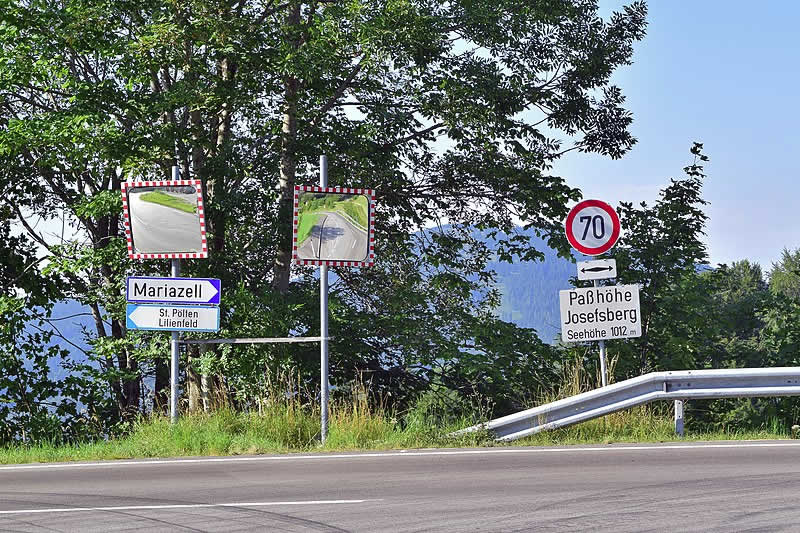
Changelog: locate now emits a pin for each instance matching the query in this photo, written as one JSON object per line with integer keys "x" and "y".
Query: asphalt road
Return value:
{"x": 335, "y": 238}
{"x": 161, "y": 229}
{"x": 677, "y": 487}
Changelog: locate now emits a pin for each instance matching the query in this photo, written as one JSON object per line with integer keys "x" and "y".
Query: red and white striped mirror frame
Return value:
{"x": 369, "y": 193}
{"x": 197, "y": 184}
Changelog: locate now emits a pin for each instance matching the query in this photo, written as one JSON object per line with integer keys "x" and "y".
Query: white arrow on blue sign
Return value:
{"x": 173, "y": 290}
{"x": 172, "y": 317}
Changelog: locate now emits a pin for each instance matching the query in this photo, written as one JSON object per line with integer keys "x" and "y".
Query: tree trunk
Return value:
{"x": 130, "y": 386}
{"x": 215, "y": 182}
{"x": 161, "y": 393}
{"x": 133, "y": 386}
{"x": 193, "y": 384}
{"x": 283, "y": 257}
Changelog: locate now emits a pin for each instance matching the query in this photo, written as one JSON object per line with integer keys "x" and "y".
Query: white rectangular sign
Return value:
{"x": 172, "y": 317}
{"x": 600, "y": 313}
{"x": 597, "y": 269}
{"x": 141, "y": 289}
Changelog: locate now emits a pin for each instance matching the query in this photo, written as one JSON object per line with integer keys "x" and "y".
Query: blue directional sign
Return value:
{"x": 173, "y": 290}
{"x": 169, "y": 317}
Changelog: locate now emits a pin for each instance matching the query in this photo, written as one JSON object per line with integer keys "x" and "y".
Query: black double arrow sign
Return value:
{"x": 597, "y": 269}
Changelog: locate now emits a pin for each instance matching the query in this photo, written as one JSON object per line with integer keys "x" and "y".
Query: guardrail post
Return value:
{"x": 679, "y": 417}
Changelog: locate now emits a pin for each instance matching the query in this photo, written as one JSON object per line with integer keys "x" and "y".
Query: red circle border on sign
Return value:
{"x": 585, "y": 250}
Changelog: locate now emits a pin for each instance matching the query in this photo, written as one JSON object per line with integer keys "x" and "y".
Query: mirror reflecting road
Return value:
{"x": 333, "y": 227}
{"x": 164, "y": 220}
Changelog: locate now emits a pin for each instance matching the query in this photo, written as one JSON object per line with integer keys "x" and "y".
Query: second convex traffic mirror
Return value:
{"x": 165, "y": 219}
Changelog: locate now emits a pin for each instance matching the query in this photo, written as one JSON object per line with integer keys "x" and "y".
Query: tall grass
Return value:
{"x": 281, "y": 422}
{"x": 645, "y": 423}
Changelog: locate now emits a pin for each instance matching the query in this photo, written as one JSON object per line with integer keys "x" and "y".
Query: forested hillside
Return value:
{"x": 530, "y": 291}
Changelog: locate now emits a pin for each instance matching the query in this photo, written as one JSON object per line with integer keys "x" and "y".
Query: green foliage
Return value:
{"x": 784, "y": 277}
{"x": 440, "y": 407}
{"x": 661, "y": 249}
{"x": 780, "y": 334}
{"x": 430, "y": 327}
{"x": 245, "y": 97}
{"x": 105, "y": 203}
{"x": 35, "y": 404}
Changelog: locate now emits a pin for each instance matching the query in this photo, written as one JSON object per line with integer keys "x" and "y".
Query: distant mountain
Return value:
{"x": 530, "y": 294}
{"x": 530, "y": 290}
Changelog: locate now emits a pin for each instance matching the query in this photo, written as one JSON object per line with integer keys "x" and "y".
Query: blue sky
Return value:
{"x": 724, "y": 73}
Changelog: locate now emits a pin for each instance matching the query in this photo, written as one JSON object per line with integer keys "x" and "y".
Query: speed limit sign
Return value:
{"x": 592, "y": 227}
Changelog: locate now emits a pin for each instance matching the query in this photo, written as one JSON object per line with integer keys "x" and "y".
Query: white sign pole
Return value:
{"x": 323, "y": 321}
{"x": 602, "y": 352}
{"x": 173, "y": 343}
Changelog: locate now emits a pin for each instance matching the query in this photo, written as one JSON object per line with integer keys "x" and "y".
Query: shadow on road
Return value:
{"x": 326, "y": 234}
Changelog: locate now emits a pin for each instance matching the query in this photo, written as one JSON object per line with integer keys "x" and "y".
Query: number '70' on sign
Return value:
{"x": 592, "y": 227}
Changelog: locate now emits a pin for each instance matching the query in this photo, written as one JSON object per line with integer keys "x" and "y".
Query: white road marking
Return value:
{"x": 182, "y": 506}
{"x": 403, "y": 453}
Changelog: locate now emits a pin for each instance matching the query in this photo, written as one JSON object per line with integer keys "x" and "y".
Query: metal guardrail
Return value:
{"x": 682, "y": 385}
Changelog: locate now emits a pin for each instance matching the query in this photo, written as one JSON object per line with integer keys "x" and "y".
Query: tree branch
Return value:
{"x": 36, "y": 236}
{"x": 412, "y": 136}
{"x": 270, "y": 10}
{"x": 339, "y": 92}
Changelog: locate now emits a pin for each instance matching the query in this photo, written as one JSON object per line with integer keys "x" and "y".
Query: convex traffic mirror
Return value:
{"x": 334, "y": 226}
{"x": 164, "y": 219}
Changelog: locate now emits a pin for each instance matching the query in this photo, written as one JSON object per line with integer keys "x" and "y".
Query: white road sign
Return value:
{"x": 597, "y": 269}
{"x": 173, "y": 290}
{"x": 600, "y": 313}
{"x": 592, "y": 227}
{"x": 173, "y": 317}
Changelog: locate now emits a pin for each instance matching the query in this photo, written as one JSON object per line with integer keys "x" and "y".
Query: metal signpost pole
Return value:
{"x": 602, "y": 352}
{"x": 174, "y": 343}
{"x": 323, "y": 319}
